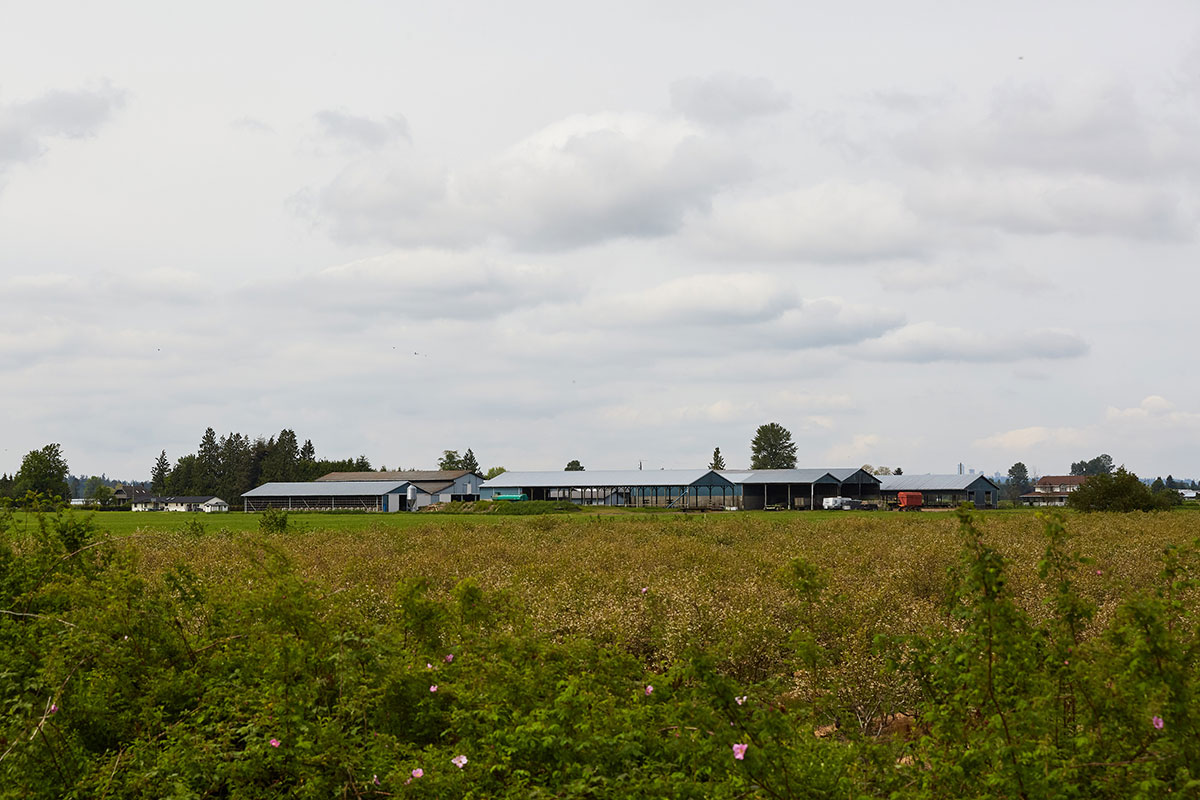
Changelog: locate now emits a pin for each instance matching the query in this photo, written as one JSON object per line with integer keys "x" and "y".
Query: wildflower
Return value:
{"x": 649, "y": 690}
{"x": 274, "y": 743}
{"x": 418, "y": 773}
{"x": 1099, "y": 572}
{"x": 645, "y": 589}
{"x": 428, "y": 665}
{"x": 741, "y": 699}
{"x": 459, "y": 761}
{"x": 53, "y": 708}
{"x": 433, "y": 688}
{"x": 739, "y": 751}
{"x": 1157, "y": 721}
{"x": 449, "y": 657}
{"x": 375, "y": 779}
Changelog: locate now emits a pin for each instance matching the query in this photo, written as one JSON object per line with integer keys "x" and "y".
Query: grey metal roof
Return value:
{"x": 327, "y": 489}
{"x": 397, "y": 475}
{"x": 834, "y": 475}
{"x": 931, "y": 483}
{"x": 607, "y": 478}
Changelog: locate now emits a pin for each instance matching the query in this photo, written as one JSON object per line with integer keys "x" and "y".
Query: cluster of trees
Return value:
{"x": 452, "y": 460}
{"x": 42, "y": 471}
{"x": 228, "y": 466}
{"x": 1121, "y": 491}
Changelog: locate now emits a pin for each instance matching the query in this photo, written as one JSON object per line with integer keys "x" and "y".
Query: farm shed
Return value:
{"x": 942, "y": 490}
{"x": 689, "y": 488}
{"x": 664, "y": 488}
{"x": 429, "y": 485}
{"x": 802, "y": 488}
{"x": 330, "y": 496}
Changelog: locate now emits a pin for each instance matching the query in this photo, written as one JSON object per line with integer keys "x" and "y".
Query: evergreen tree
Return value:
{"x": 208, "y": 463}
{"x": 308, "y": 452}
{"x": 182, "y": 480}
{"x": 897, "y": 471}
{"x": 718, "y": 460}
{"x": 469, "y": 462}
{"x": 158, "y": 475}
{"x": 772, "y": 448}
{"x": 280, "y": 462}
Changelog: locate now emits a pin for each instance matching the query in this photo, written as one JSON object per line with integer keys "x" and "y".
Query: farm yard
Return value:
{"x": 586, "y": 655}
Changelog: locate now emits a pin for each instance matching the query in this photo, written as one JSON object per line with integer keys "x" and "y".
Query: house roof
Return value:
{"x": 201, "y": 499}
{"x": 933, "y": 483}
{"x": 414, "y": 475}
{"x": 327, "y": 489}
{"x": 1061, "y": 480}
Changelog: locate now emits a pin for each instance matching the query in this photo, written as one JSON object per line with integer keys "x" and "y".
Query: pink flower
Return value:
{"x": 428, "y": 665}
{"x": 739, "y": 751}
{"x": 375, "y": 779}
{"x": 741, "y": 699}
{"x": 1157, "y": 721}
{"x": 459, "y": 761}
{"x": 1099, "y": 572}
{"x": 274, "y": 743}
{"x": 433, "y": 688}
{"x": 418, "y": 773}
{"x": 649, "y": 690}
{"x": 645, "y": 589}
{"x": 53, "y": 708}
{"x": 449, "y": 657}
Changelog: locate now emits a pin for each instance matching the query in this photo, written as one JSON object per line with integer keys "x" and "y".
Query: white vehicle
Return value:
{"x": 840, "y": 503}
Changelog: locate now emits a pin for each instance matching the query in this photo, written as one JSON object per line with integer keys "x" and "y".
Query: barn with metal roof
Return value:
{"x": 689, "y": 488}
{"x": 942, "y": 490}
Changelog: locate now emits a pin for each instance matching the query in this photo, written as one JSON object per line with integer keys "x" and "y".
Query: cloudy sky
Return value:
{"x": 914, "y": 234}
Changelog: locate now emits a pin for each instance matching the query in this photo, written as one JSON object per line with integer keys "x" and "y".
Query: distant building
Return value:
{"x": 401, "y": 490}
{"x": 942, "y": 490}
{"x": 208, "y": 504}
{"x": 1052, "y": 490}
{"x": 690, "y": 488}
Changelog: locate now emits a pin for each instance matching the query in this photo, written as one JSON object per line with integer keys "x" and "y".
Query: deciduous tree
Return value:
{"x": 573, "y": 466}
{"x": 44, "y": 471}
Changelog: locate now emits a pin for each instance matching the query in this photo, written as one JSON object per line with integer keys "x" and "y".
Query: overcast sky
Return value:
{"x": 914, "y": 234}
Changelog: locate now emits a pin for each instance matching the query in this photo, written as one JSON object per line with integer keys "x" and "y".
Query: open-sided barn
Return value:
{"x": 942, "y": 490}
{"x": 405, "y": 490}
{"x": 689, "y": 488}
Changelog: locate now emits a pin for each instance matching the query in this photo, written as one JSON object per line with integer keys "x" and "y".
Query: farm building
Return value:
{"x": 372, "y": 491}
{"x": 942, "y": 490}
{"x": 688, "y": 488}
{"x": 206, "y": 503}
{"x": 1052, "y": 490}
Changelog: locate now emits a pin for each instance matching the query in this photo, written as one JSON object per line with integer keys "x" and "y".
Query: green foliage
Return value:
{"x": 533, "y": 507}
{"x": 258, "y": 677}
{"x": 772, "y": 448}
{"x": 1100, "y": 465}
{"x": 273, "y": 520}
{"x": 1118, "y": 491}
{"x": 573, "y": 466}
{"x": 1018, "y": 481}
{"x": 44, "y": 471}
{"x": 718, "y": 460}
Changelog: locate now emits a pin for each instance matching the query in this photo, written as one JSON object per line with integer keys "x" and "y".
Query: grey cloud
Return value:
{"x": 357, "y": 132}
{"x": 251, "y": 124}
{"x": 25, "y": 128}
{"x": 581, "y": 181}
{"x": 726, "y": 99}
{"x": 928, "y": 342}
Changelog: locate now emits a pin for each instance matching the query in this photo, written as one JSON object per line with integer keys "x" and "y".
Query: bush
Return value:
{"x": 1118, "y": 491}
{"x": 273, "y": 520}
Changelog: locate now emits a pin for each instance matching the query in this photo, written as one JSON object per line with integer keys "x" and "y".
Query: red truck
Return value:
{"x": 910, "y": 501}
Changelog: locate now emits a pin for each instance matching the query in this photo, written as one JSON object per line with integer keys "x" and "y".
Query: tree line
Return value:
{"x": 231, "y": 465}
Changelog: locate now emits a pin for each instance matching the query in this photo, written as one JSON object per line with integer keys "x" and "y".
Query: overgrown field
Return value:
{"x": 600, "y": 656}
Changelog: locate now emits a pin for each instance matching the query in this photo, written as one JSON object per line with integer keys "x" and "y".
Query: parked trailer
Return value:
{"x": 911, "y": 501}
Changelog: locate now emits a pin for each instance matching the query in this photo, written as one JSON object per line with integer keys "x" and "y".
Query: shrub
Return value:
{"x": 1118, "y": 491}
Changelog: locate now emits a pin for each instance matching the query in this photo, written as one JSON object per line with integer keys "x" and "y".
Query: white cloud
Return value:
{"x": 852, "y": 453}
{"x": 834, "y": 221}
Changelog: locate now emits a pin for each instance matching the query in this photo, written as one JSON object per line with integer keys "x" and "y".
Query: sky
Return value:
{"x": 914, "y": 234}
